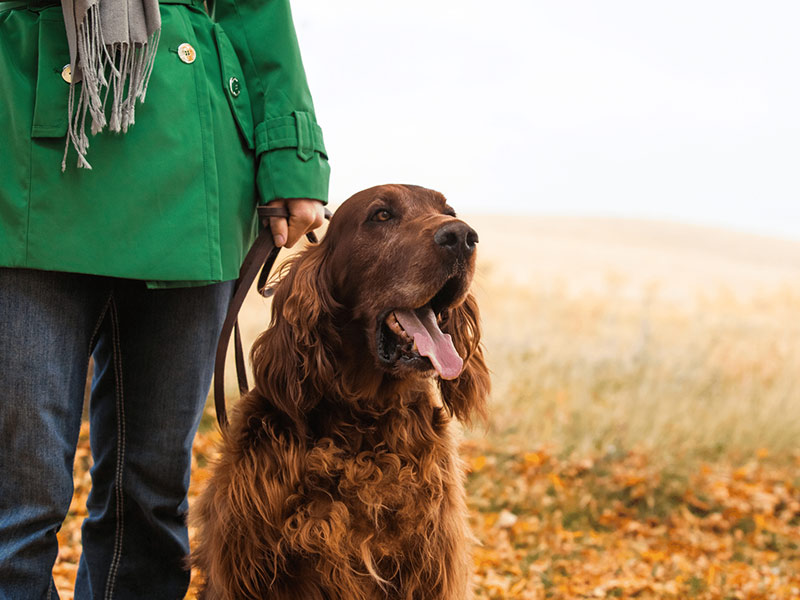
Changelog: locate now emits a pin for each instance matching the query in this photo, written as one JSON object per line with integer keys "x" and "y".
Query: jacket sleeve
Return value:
{"x": 292, "y": 162}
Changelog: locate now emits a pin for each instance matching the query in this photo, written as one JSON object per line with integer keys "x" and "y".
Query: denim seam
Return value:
{"x": 117, "y": 353}
{"x": 93, "y": 337}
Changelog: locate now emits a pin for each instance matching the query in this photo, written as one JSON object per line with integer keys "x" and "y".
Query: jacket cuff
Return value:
{"x": 292, "y": 159}
{"x": 282, "y": 175}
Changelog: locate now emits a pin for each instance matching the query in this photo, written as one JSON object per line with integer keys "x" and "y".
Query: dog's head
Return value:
{"x": 384, "y": 297}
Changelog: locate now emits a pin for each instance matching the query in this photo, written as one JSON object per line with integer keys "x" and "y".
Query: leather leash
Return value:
{"x": 261, "y": 257}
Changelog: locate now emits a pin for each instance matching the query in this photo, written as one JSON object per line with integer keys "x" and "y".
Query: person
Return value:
{"x": 124, "y": 248}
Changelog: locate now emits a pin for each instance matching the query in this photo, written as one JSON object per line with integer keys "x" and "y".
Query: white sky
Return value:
{"x": 676, "y": 110}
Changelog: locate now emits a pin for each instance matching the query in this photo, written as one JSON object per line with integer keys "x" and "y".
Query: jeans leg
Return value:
{"x": 46, "y": 323}
{"x": 153, "y": 368}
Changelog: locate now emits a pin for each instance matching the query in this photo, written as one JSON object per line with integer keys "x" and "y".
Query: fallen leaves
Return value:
{"x": 617, "y": 526}
{"x": 613, "y": 525}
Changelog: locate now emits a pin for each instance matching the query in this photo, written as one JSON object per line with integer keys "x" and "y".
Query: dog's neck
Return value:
{"x": 371, "y": 422}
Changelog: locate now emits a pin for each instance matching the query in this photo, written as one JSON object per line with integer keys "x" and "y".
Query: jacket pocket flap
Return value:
{"x": 234, "y": 85}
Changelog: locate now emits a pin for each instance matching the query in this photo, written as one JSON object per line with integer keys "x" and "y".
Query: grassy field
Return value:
{"x": 645, "y": 418}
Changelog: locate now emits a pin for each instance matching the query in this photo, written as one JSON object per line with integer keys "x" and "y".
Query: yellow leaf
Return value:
{"x": 556, "y": 481}
{"x": 201, "y": 474}
{"x": 478, "y": 463}
{"x": 653, "y": 556}
{"x": 518, "y": 587}
{"x": 533, "y": 459}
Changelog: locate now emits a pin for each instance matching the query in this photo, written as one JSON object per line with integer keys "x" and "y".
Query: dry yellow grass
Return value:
{"x": 677, "y": 338}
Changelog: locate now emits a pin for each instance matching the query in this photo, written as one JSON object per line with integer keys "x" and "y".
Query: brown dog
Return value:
{"x": 339, "y": 477}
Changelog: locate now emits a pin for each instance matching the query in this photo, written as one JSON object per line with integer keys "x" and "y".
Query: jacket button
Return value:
{"x": 234, "y": 86}
{"x": 66, "y": 73}
{"x": 186, "y": 53}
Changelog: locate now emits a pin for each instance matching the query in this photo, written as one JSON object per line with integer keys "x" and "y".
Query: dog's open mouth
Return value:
{"x": 414, "y": 336}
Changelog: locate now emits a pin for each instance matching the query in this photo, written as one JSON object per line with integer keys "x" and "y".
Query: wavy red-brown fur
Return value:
{"x": 338, "y": 479}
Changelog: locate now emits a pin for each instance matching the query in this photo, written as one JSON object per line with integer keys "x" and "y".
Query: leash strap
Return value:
{"x": 261, "y": 257}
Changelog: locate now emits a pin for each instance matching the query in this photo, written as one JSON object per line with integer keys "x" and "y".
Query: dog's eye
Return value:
{"x": 381, "y": 215}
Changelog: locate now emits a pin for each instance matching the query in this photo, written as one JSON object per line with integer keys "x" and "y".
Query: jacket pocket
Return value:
{"x": 52, "y": 91}
{"x": 234, "y": 85}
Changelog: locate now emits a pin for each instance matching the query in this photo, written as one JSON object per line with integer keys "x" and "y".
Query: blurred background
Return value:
{"x": 677, "y": 110}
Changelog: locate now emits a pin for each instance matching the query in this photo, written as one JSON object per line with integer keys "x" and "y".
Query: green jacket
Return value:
{"x": 173, "y": 200}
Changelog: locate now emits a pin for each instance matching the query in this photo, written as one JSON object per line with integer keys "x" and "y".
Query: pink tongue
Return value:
{"x": 431, "y": 342}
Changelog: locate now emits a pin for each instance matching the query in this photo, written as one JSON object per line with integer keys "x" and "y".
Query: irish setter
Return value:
{"x": 339, "y": 477}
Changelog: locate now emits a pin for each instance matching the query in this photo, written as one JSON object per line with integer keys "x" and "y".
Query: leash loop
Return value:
{"x": 261, "y": 257}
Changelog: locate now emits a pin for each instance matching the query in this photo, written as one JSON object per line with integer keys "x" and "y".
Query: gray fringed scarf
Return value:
{"x": 112, "y": 47}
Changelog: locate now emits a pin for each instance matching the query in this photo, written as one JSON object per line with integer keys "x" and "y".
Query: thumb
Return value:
{"x": 279, "y": 226}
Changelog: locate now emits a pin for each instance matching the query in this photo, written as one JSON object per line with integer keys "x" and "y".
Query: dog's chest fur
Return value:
{"x": 391, "y": 473}
{"x": 375, "y": 493}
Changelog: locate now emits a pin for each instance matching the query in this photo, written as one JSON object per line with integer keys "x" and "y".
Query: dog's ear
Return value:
{"x": 466, "y": 395}
{"x": 291, "y": 359}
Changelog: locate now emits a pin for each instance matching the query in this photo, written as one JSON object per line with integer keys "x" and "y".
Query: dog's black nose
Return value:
{"x": 457, "y": 237}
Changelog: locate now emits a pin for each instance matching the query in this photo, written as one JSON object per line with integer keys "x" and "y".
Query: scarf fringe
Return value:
{"x": 121, "y": 71}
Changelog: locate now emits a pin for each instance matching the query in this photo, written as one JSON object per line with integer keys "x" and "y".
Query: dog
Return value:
{"x": 338, "y": 476}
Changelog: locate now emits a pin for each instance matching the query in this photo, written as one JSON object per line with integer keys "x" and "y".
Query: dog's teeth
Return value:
{"x": 397, "y": 329}
{"x": 391, "y": 322}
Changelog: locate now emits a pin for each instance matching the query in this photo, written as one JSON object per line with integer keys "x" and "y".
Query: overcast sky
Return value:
{"x": 676, "y": 110}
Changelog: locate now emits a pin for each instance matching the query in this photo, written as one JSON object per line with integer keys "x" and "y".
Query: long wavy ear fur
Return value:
{"x": 290, "y": 360}
{"x": 466, "y": 395}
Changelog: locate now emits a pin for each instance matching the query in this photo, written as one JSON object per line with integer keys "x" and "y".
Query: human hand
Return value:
{"x": 304, "y": 215}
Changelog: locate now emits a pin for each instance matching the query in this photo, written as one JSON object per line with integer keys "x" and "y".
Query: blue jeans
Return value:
{"x": 153, "y": 353}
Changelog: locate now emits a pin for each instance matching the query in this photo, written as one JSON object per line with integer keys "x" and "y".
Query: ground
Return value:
{"x": 644, "y": 421}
